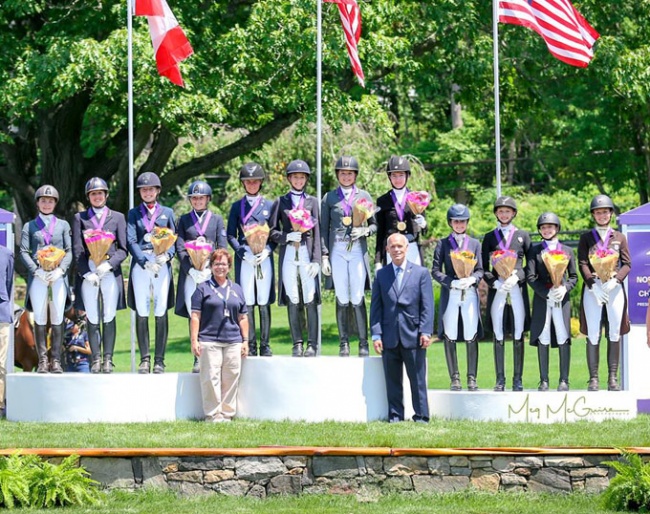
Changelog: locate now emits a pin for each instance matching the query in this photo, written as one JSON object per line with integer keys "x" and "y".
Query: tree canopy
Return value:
{"x": 63, "y": 99}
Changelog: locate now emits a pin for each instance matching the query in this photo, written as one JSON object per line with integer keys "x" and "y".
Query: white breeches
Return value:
{"x": 146, "y": 285}
{"x": 554, "y": 314}
{"x": 348, "y": 273}
{"x": 256, "y": 290}
{"x": 593, "y": 312}
{"x": 412, "y": 254}
{"x": 468, "y": 309}
{"x": 518, "y": 311}
{"x": 292, "y": 270}
{"x": 90, "y": 295}
{"x": 38, "y": 296}
{"x": 188, "y": 291}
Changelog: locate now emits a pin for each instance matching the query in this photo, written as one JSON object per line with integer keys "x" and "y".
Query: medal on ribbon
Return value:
{"x": 149, "y": 223}
{"x": 399, "y": 210}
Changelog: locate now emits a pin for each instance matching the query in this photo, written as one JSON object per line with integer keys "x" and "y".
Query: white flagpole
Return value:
{"x": 497, "y": 120}
{"x": 129, "y": 25}
{"x": 319, "y": 127}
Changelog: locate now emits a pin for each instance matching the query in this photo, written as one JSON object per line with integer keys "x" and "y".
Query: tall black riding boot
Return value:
{"x": 265, "y": 331}
{"x": 252, "y": 335}
{"x": 58, "y": 332}
{"x": 361, "y": 316}
{"x": 109, "y": 336}
{"x": 312, "y": 329}
{"x": 613, "y": 356}
{"x": 162, "y": 329}
{"x": 95, "y": 339}
{"x": 452, "y": 364}
{"x": 40, "y": 336}
{"x": 344, "y": 329}
{"x": 472, "y": 364}
{"x": 542, "y": 358}
{"x": 293, "y": 311}
{"x": 142, "y": 333}
{"x": 499, "y": 365}
{"x": 518, "y": 358}
{"x": 565, "y": 363}
{"x": 593, "y": 358}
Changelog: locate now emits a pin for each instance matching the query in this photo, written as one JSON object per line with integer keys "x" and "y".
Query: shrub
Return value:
{"x": 28, "y": 480}
{"x": 630, "y": 488}
{"x": 14, "y": 484}
{"x": 60, "y": 485}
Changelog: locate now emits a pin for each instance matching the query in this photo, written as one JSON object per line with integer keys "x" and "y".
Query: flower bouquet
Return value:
{"x": 556, "y": 262}
{"x": 605, "y": 262}
{"x": 418, "y": 201}
{"x": 257, "y": 235}
{"x": 362, "y": 210}
{"x": 463, "y": 262}
{"x": 503, "y": 262}
{"x": 162, "y": 239}
{"x": 301, "y": 221}
{"x": 49, "y": 257}
{"x": 199, "y": 253}
{"x": 98, "y": 243}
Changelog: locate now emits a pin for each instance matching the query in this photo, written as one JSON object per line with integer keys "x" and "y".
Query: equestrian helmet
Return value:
{"x": 96, "y": 184}
{"x": 199, "y": 188}
{"x": 298, "y": 166}
{"x": 601, "y": 202}
{"x": 548, "y": 218}
{"x": 398, "y": 163}
{"x": 251, "y": 171}
{"x": 505, "y": 201}
{"x": 148, "y": 179}
{"x": 346, "y": 162}
{"x": 46, "y": 190}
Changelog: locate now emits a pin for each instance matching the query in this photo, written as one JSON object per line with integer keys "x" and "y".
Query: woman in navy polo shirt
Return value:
{"x": 219, "y": 338}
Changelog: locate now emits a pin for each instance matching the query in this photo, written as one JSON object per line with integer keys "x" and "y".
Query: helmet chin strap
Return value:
{"x": 295, "y": 191}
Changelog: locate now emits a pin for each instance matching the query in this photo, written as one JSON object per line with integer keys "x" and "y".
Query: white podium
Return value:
{"x": 276, "y": 388}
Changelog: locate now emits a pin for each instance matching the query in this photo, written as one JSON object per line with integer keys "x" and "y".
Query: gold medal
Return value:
{"x": 347, "y": 220}
{"x": 401, "y": 226}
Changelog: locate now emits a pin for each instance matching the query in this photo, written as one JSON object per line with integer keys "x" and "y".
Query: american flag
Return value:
{"x": 568, "y": 36}
{"x": 351, "y": 20}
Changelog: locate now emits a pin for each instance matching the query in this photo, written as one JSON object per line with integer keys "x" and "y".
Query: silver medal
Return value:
{"x": 147, "y": 237}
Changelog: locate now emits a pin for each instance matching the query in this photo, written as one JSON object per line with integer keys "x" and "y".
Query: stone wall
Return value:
{"x": 366, "y": 476}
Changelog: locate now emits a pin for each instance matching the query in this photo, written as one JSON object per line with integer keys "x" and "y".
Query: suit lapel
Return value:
{"x": 407, "y": 274}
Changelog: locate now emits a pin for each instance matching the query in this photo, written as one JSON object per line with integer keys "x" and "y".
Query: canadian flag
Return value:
{"x": 170, "y": 45}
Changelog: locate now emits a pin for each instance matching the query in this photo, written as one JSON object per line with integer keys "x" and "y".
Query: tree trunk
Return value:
{"x": 59, "y": 141}
{"x": 456, "y": 109}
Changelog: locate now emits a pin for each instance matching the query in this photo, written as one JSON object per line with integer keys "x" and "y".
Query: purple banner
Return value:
{"x": 638, "y": 280}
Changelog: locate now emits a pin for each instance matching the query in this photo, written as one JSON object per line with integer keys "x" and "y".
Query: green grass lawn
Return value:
{"x": 179, "y": 359}
{"x": 470, "y": 502}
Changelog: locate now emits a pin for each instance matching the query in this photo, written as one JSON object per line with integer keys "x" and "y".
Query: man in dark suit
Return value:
{"x": 401, "y": 320}
{"x": 6, "y": 315}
